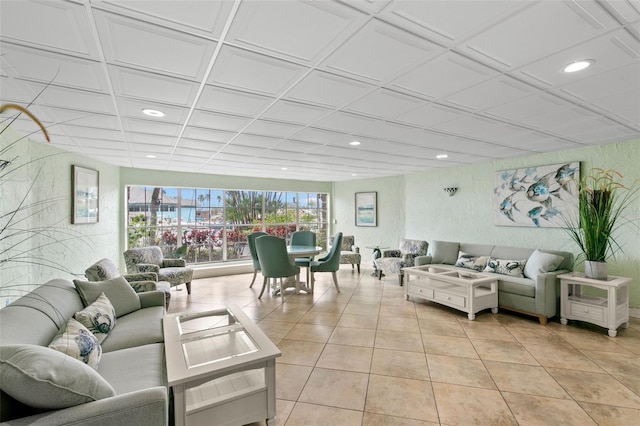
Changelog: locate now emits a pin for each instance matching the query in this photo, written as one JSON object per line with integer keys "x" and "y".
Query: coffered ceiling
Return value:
{"x": 254, "y": 87}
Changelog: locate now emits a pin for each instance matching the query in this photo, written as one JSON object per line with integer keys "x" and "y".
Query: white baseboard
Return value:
{"x": 634, "y": 312}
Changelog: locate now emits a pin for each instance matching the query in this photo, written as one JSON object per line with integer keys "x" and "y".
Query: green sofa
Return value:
{"x": 132, "y": 362}
{"x": 536, "y": 293}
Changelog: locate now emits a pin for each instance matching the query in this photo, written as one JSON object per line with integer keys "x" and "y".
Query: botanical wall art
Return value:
{"x": 536, "y": 196}
{"x": 366, "y": 209}
{"x": 85, "y": 195}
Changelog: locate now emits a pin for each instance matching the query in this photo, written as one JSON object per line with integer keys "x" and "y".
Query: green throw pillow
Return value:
{"x": 99, "y": 317}
{"x": 119, "y": 292}
{"x": 44, "y": 378}
{"x": 78, "y": 342}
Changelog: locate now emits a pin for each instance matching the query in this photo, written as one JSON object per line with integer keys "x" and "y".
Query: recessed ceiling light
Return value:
{"x": 151, "y": 156}
{"x": 578, "y": 65}
{"x": 441, "y": 156}
{"x": 354, "y": 143}
{"x": 283, "y": 168}
{"x": 152, "y": 112}
{"x": 354, "y": 174}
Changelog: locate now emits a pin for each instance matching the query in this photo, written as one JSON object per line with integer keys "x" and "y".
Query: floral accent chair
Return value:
{"x": 350, "y": 253}
{"x": 392, "y": 261}
{"x": 150, "y": 259}
{"x": 105, "y": 269}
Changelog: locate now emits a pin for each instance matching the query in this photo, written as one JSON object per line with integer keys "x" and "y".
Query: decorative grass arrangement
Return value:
{"x": 603, "y": 200}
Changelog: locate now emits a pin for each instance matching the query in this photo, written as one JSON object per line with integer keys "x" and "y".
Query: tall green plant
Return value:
{"x": 603, "y": 200}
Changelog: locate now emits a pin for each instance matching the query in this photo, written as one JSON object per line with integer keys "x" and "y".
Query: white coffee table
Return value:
{"x": 470, "y": 292}
{"x": 221, "y": 367}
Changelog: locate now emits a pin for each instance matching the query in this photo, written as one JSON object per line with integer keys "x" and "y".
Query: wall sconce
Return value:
{"x": 450, "y": 191}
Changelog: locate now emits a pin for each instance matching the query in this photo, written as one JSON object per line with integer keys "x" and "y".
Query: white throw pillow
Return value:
{"x": 513, "y": 268}
{"x": 477, "y": 263}
{"x": 540, "y": 262}
{"x": 99, "y": 317}
{"x": 78, "y": 342}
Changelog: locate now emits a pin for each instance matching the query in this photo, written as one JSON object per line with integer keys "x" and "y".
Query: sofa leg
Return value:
{"x": 542, "y": 319}
{"x": 400, "y": 276}
{"x": 358, "y": 268}
{"x": 379, "y": 274}
{"x": 188, "y": 287}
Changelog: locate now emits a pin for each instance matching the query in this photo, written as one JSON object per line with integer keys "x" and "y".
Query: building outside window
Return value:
{"x": 213, "y": 224}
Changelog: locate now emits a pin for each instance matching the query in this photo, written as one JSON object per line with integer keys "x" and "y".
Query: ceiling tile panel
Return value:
{"x": 132, "y": 43}
{"x": 272, "y": 128}
{"x": 151, "y": 127}
{"x": 256, "y": 141}
{"x": 143, "y": 85}
{"x": 290, "y": 145}
{"x": 429, "y": 115}
{"x": 491, "y": 93}
{"x": 149, "y": 149}
{"x": 623, "y": 106}
{"x": 384, "y": 103}
{"x": 299, "y": 30}
{"x": 542, "y": 29}
{"x": 295, "y": 112}
{"x": 74, "y": 99}
{"x": 379, "y": 51}
{"x": 200, "y": 133}
{"x": 81, "y": 118}
{"x": 232, "y": 101}
{"x": 320, "y": 136}
{"x": 344, "y": 122}
{"x": 144, "y": 138}
{"x": 237, "y": 68}
{"x": 385, "y": 130}
{"x": 206, "y": 18}
{"x": 211, "y": 120}
{"x": 328, "y": 89}
{"x": 446, "y": 74}
{"x": 54, "y": 68}
{"x": 447, "y": 21}
{"x": 624, "y": 80}
{"x": 90, "y": 133}
{"x": 541, "y": 103}
{"x": 199, "y": 144}
{"x": 59, "y": 26}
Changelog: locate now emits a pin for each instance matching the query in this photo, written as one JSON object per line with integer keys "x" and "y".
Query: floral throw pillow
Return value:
{"x": 513, "y": 268}
{"x": 79, "y": 343}
{"x": 477, "y": 263}
{"x": 99, "y": 317}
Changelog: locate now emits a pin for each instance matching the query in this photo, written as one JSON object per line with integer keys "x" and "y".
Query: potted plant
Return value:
{"x": 602, "y": 202}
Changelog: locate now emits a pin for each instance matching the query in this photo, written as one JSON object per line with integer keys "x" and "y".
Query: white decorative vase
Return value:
{"x": 595, "y": 270}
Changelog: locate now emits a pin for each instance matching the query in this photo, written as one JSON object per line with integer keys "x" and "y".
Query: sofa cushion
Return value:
{"x": 133, "y": 369}
{"x": 123, "y": 298}
{"x": 44, "y": 378}
{"x": 540, "y": 262}
{"x": 444, "y": 252}
{"x": 99, "y": 317}
{"x": 136, "y": 329}
{"x": 468, "y": 261}
{"x": 78, "y": 342}
{"x": 512, "y": 268}
{"x": 513, "y": 285}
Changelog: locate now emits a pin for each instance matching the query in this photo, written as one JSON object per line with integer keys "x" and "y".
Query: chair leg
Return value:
{"x": 400, "y": 276}
{"x": 379, "y": 274}
{"x": 313, "y": 281}
{"x": 358, "y": 268}
{"x": 255, "y": 272}
{"x": 335, "y": 280}
{"x": 264, "y": 285}
{"x": 188, "y": 287}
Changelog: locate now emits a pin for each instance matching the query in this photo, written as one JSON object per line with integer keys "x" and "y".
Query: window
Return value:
{"x": 213, "y": 224}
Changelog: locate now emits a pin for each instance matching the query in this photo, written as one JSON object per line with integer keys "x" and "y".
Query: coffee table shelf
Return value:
{"x": 469, "y": 292}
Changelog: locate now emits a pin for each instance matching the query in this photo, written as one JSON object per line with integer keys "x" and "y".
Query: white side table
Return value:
{"x": 609, "y": 312}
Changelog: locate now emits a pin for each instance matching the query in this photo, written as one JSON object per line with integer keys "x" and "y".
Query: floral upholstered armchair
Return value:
{"x": 349, "y": 252}
{"x": 392, "y": 261}
{"x": 105, "y": 269}
{"x": 150, "y": 259}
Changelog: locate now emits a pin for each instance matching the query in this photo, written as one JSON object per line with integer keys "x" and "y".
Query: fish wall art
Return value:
{"x": 537, "y": 196}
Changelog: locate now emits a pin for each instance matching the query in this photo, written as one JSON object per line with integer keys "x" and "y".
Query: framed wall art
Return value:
{"x": 86, "y": 195}
{"x": 366, "y": 209}
{"x": 536, "y": 196}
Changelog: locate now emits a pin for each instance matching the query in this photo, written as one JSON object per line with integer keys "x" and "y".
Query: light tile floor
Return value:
{"x": 367, "y": 356}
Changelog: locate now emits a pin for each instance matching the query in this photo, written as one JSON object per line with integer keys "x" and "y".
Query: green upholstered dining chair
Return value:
{"x": 254, "y": 254}
{"x": 274, "y": 261}
{"x": 329, "y": 263}
{"x": 303, "y": 238}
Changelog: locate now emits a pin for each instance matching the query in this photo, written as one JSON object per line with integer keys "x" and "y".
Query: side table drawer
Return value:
{"x": 450, "y": 298}
{"x": 582, "y": 310}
